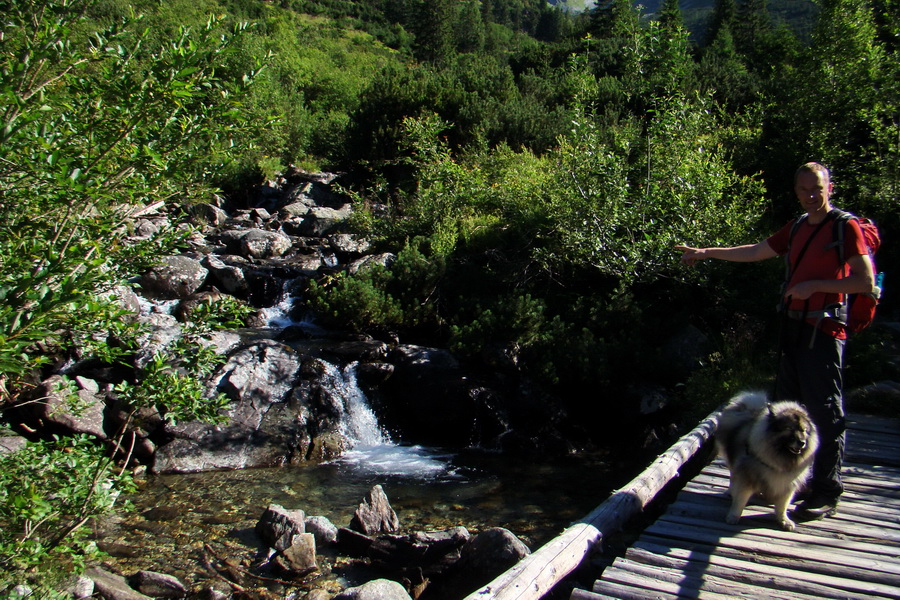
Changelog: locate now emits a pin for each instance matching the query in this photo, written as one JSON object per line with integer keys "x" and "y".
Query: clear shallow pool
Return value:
{"x": 179, "y": 519}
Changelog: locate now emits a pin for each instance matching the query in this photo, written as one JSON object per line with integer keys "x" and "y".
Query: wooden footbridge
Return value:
{"x": 690, "y": 552}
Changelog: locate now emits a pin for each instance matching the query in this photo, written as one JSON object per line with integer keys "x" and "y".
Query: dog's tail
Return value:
{"x": 742, "y": 408}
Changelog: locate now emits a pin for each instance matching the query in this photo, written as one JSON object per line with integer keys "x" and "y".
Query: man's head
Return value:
{"x": 813, "y": 187}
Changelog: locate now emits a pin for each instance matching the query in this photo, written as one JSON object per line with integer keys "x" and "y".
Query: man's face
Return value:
{"x": 813, "y": 191}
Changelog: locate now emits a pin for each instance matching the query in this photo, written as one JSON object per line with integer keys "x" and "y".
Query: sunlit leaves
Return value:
{"x": 93, "y": 125}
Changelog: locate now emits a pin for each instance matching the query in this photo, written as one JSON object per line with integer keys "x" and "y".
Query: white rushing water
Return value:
{"x": 371, "y": 448}
{"x": 279, "y": 316}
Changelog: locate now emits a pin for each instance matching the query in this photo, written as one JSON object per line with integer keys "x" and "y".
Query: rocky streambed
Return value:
{"x": 300, "y": 400}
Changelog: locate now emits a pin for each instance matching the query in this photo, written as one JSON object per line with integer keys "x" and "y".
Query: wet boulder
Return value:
{"x": 284, "y": 531}
{"x": 437, "y": 402}
{"x": 484, "y": 557}
{"x": 324, "y": 531}
{"x": 158, "y": 585}
{"x": 110, "y": 586}
{"x": 277, "y": 526}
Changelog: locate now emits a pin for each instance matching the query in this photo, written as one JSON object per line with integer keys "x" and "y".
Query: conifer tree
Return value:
{"x": 433, "y": 28}
{"x": 670, "y": 16}
{"x": 469, "y": 27}
{"x": 751, "y": 28}
{"x": 723, "y": 16}
{"x": 722, "y": 72}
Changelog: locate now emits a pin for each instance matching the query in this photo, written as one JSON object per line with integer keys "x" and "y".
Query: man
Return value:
{"x": 812, "y": 340}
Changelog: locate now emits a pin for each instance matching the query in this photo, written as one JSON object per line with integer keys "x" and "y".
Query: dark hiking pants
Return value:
{"x": 811, "y": 373}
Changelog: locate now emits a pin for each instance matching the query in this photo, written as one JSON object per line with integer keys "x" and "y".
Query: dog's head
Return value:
{"x": 791, "y": 426}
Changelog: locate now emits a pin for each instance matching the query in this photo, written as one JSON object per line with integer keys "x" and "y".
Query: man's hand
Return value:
{"x": 690, "y": 255}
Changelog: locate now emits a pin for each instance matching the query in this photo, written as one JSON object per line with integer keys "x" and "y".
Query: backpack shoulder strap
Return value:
{"x": 840, "y": 221}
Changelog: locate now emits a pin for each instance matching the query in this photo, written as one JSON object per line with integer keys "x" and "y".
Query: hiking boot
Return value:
{"x": 815, "y": 508}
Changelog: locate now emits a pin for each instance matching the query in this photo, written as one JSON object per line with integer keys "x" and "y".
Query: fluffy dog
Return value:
{"x": 769, "y": 449}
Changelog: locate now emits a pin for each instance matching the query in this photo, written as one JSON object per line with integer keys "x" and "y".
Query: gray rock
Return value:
{"x": 379, "y": 589}
{"x": 321, "y": 220}
{"x": 158, "y": 585}
{"x": 348, "y": 243}
{"x": 300, "y": 208}
{"x": 80, "y": 587}
{"x": 286, "y": 409}
{"x": 11, "y": 443}
{"x": 385, "y": 259}
{"x": 207, "y": 213}
{"x": 127, "y": 299}
{"x": 259, "y": 379}
{"x": 489, "y": 554}
{"x": 277, "y": 526}
{"x": 82, "y": 413}
{"x": 322, "y": 529}
{"x": 162, "y": 330}
{"x": 258, "y": 243}
{"x": 112, "y": 587}
{"x": 228, "y": 278}
{"x": 375, "y": 514}
{"x": 176, "y": 277}
{"x": 300, "y": 556}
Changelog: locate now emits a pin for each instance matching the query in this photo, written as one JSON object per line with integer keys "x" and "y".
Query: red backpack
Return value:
{"x": 858, "y": 310}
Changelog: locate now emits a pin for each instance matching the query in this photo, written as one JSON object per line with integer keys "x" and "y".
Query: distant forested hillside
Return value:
{"x": 798, "y": 15}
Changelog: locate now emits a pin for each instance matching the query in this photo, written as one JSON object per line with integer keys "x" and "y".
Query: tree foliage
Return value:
{"x": 94, "y": 127}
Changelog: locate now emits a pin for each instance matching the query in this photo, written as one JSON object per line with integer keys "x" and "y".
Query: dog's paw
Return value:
{"x": 732, "y": 519}
{"x": 787, "y": 524}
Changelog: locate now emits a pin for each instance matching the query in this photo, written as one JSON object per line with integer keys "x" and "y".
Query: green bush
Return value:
{"x": 174, "y": 382}
{"x": 403, "y": 296}
{"x": 48, "y": 490}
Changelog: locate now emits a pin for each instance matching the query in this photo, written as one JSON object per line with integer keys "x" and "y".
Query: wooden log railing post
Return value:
{"x": 537, "y": 573}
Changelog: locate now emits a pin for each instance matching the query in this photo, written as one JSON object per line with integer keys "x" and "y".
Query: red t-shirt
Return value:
{"x": 821, "y": 261}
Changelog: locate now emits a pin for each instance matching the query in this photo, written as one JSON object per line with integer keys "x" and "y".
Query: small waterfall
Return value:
{"x": 279, "y": 316}
{"x": 371, "y": 448}
{"x": 359, "y": 423}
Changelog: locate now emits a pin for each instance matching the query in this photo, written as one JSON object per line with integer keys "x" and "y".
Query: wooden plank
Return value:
{"x": 691, "y": 552}
{"x": 860, "y": 422}
{"x": 609, "y": 590}
{"x": 844, "y": 523}
{"x": 681, "y": 584}
{"x": 579, "y": 594}
{"x": 882, "y": 558}
{"x": 712, "y": 577}
{"x": 801, "y": 563}
{"x": 823, "y": 585}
